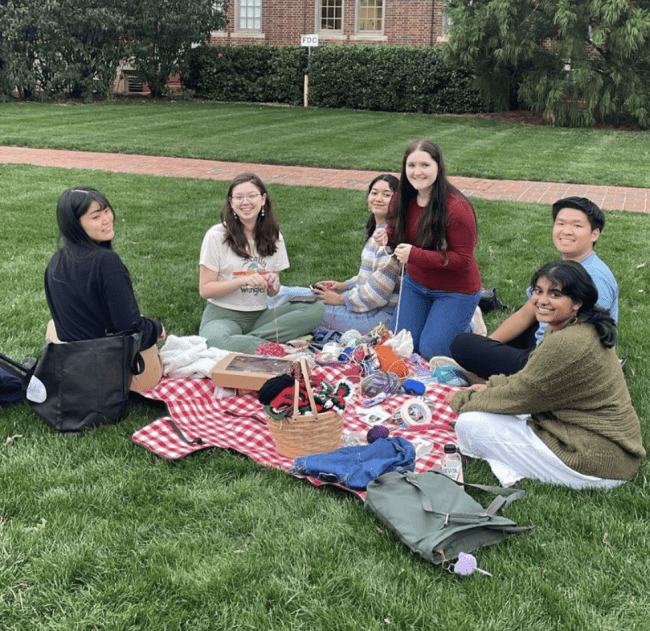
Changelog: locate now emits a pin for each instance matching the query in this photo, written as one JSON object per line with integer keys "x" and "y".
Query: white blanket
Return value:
{"x": 189, "y": 357}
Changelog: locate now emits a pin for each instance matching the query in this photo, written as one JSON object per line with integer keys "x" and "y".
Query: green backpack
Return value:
{"x": 434, "y": 516}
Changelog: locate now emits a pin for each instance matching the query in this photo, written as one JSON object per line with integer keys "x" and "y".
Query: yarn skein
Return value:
{"x": 391, "y": 362}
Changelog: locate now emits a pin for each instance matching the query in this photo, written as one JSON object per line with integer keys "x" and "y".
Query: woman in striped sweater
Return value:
{"x": 369, "y": 298}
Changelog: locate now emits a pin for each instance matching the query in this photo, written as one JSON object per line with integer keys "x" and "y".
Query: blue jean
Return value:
{"x": 340, "y": 318}
{"x": 433, "y": 317}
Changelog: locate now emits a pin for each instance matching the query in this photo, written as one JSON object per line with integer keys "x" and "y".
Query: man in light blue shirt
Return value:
{"x": 577, "y": 225}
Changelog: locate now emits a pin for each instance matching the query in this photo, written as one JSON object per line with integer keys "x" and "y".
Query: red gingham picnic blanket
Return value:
{"x": 197, "y": 420}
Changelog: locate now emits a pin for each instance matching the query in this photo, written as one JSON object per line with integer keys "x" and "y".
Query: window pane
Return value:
{"x": 331, "y": 15}
{"x": 250, "y": 14}
{"x": 371, "y": 15}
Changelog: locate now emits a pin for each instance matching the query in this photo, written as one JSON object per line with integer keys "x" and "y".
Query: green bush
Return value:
{"x": 390, "y": 79}
{"x": 257, "y": 74}
{"x": 383, "y": 78}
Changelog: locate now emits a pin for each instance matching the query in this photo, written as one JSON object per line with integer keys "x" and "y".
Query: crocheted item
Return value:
{"x": 450, "y": 376}
{"x": 326, "y": 397}
{"x": 270, "y": 349}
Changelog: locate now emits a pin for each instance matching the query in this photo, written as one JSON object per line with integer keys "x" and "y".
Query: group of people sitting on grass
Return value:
{"x": 555, "y": 406}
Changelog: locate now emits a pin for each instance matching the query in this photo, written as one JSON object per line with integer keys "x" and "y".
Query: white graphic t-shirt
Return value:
{"x": 218, "y": 257}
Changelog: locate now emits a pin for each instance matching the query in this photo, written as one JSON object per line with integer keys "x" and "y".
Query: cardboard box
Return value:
{"x": 248, "y": 372}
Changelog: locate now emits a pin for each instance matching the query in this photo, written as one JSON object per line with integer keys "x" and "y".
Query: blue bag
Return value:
{"x": 357, "y": 466}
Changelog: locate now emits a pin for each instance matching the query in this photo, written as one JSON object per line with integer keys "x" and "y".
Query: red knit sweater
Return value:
{"x": 456, "y": 269}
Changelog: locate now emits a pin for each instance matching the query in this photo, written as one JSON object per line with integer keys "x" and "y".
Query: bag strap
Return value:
{"x": 505, "y": 496}
{"x": 18, "y": 366}
{"x": 137, "y": 367}
{"x": 197, "y": 441}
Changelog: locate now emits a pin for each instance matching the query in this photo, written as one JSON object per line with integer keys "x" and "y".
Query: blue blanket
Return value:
{"x": 357, "y": 466}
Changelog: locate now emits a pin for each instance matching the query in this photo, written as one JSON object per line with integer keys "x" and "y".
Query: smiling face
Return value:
{"x": 247, "y": 201}
{"x": 97, "y": 222}
{"x": 379, "y": 200}
{"x": 572, "y": 234}
{"x": 421, "y": 172}
{"x": 551, "y": 305}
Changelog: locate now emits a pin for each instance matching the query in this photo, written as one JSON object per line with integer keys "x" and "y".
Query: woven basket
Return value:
{"x": 304, "y": 434}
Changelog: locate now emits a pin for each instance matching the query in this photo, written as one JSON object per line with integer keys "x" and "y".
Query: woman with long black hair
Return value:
{"x": 88, "y": 287}
{"x": 566, "y": 417}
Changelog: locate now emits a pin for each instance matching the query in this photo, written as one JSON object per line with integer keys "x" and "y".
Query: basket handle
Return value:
{"x": 304, "y": 369}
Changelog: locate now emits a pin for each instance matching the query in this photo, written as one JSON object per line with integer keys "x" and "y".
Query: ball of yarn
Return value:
{"x": 350, "y": 338}
{"x": 380, "y": 381}
{"x": 270, "y": 349}
{"x": 378, "y": 431}
{"x": 391, "y": 362}
{"x": 450, "y": 376}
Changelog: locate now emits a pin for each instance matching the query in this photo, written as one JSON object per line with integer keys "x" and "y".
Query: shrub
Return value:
{"x": 255, "y": 74}
{"x": 384, "y": 78}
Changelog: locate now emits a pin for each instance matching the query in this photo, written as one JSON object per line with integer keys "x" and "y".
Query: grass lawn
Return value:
{"x": 332, "y": 138}
{"x": 97, "y": 533}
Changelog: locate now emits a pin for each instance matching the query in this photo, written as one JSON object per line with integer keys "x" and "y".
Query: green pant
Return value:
{"x": 244, "y": 331}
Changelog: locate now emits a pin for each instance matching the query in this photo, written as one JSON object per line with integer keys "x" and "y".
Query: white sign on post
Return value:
{"x": 309, "y": 40}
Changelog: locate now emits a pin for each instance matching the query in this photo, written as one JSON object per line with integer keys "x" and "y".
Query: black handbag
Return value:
{"x": 80, "y": 385}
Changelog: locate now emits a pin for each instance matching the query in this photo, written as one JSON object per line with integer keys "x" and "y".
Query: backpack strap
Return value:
{"x": 505, "y": 496}
{"x": 425, "y": 501}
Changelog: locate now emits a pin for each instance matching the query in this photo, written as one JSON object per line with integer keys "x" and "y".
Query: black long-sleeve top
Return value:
{"x": 93, "y": 296}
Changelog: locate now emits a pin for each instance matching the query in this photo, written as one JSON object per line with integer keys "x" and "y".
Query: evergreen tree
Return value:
{"x": 577, "y": 61}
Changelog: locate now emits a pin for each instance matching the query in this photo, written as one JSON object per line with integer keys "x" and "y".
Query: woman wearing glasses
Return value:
{"x": 239, "y": 269}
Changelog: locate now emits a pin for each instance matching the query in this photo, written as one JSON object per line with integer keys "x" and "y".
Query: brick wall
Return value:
{"x": 406, "y": 23}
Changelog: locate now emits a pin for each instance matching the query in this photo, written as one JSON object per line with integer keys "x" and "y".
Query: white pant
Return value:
{"x": 514, "y": 451}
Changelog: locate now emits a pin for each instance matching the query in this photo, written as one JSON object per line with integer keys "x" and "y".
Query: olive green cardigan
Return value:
{"x": 574, "y": 389}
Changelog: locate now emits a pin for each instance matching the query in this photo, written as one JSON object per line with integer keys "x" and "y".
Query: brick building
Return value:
{"x": 282, "y": 22}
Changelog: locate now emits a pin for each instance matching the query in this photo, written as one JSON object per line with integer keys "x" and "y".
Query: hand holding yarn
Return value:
{"x": 381, "y": 237}
{"x": 256, "y": 281}
{"x": 328, "y": 296}
{"x": 402, "y": 252}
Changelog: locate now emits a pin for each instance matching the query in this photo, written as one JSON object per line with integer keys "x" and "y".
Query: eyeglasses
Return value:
{"x": 251, "y": 197}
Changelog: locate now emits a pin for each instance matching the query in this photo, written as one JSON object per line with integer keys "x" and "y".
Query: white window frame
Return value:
{"x": 238, "y": 16}
{"x": 319, "y": 23}
{"x": 357, "y": 19}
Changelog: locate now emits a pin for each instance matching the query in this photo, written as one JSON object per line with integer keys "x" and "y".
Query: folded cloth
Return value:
{"x": 189, "y": 356}
{"x": 358, "y": 465}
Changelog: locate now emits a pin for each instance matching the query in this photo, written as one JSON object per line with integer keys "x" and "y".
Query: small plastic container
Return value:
{"x": 452, "y": 465}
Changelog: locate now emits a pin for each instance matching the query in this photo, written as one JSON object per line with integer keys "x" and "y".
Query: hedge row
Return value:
{"x": 383, "y": 78}
{"x": 256, "y": 74}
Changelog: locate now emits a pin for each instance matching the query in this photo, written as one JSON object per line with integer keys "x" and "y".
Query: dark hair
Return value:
{"x": 393, "y": 183}
{"x": 575, "y": 282}
{"x": 595, "y": 215}
{"x": 74, "y": 244}
{"x": 267, "y": 230}
{"x": 73, "y": 204}
{"x": 432, "y": 233}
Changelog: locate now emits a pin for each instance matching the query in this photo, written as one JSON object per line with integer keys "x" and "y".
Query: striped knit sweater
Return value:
{"x": 575, "y": 391}
{"x": 377, "y": 283}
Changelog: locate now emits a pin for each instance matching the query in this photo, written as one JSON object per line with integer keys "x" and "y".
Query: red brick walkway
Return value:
{"x": 607, "y": 197}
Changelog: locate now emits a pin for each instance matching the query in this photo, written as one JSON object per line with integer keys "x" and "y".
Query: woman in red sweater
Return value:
{"x": 433, "y": 232}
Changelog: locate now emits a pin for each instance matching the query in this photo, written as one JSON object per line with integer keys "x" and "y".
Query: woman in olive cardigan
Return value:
{"x": 567, "y": 417}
